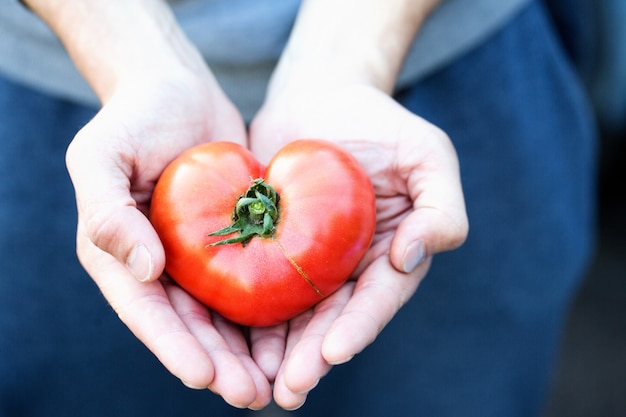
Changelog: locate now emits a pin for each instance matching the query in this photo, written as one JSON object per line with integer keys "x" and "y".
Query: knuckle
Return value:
{"x": 101, "y": 225}
{"x": 457, "y": 233}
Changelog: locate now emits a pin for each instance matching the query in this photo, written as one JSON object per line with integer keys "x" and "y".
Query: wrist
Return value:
{"x": 353, "y": 41}
{"x": 117, "y": 43}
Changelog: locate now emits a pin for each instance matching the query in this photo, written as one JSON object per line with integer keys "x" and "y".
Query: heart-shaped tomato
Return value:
{"x": 260, "y": 245}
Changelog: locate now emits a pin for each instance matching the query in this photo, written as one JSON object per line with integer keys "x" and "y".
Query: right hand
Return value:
{"x": 159, "y": 98}
{"x": 114, "y": 163}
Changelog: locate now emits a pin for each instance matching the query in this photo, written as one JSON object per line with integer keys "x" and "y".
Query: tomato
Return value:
{"x": 258, "y": 244}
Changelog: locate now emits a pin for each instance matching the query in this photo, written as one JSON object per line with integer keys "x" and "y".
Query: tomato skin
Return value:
{"x": 326, "y": 224}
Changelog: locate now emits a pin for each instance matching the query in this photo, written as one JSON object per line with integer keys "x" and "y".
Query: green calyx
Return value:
{"x": 255, "y": 214}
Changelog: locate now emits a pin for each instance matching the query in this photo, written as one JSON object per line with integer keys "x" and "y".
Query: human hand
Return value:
{"x": 420, "y": 212}
{"x": 114, "y": 163}
{"x": 159, "y": 98}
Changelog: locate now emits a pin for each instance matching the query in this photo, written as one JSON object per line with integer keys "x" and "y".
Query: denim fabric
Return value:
{"x": 63, "y": 352}
{"x": 479, "y": 337}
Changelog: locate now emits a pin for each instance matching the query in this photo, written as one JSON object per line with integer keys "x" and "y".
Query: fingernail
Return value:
{"x": 295, "y": 407}
{"x": 306, "y": 391}
{"x": 188, "y": 385}
{"x": 341, "y": 361}
{"x": 413, "y": 256}
{"x": 139, "y": 263}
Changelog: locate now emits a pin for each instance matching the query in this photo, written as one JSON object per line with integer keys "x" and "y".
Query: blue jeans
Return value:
{"x": 479, "y": 337}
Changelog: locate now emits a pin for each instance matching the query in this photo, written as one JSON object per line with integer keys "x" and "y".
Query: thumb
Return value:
{"x": 438, "y": 221}
{"x": 423, "y": 233}
{"x": 125, "y": 233}
{"x": 107, "y": 212}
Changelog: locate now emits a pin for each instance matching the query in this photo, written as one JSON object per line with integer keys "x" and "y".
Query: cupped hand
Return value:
{"x": 114, "y": 163}
{"x": 420, "y": 212}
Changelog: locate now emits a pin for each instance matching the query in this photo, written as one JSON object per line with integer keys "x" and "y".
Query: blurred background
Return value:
{"x": 591, "y": 373}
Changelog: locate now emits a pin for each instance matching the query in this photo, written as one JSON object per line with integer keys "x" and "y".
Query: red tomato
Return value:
{"x": 301, "y": 226}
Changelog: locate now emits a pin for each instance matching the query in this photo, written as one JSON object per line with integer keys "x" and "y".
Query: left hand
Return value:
{"x": 420, "y": 212}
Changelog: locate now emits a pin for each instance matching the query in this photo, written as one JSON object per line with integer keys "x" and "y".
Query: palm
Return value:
{"x": 413, "y": 169}
{"x": 114, "y": 162}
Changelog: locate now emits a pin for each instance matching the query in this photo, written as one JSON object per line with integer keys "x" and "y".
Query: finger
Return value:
{"x": 379, "y": 293}
{"x": 147, "y": 312}
{"x": 237, "y": 343}
{"x": 283, "y": 396}
{"x": 236, "y": 378}
{"x": 268, "y": 348}
{"x": 111, "y": 219}
{"x": 438, "y": 221}
{"x": 304, "y": 365}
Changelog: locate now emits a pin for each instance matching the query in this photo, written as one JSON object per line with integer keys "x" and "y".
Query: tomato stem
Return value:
{"x": 255, "y": 214}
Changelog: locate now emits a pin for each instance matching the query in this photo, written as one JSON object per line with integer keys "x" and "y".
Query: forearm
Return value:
{"x": 361, "y": 40}
{"x": 114, "y": 41}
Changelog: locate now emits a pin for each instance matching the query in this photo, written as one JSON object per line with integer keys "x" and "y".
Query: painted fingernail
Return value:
{"x": 413, "y": 256}
{"x": 139, "y": 263}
